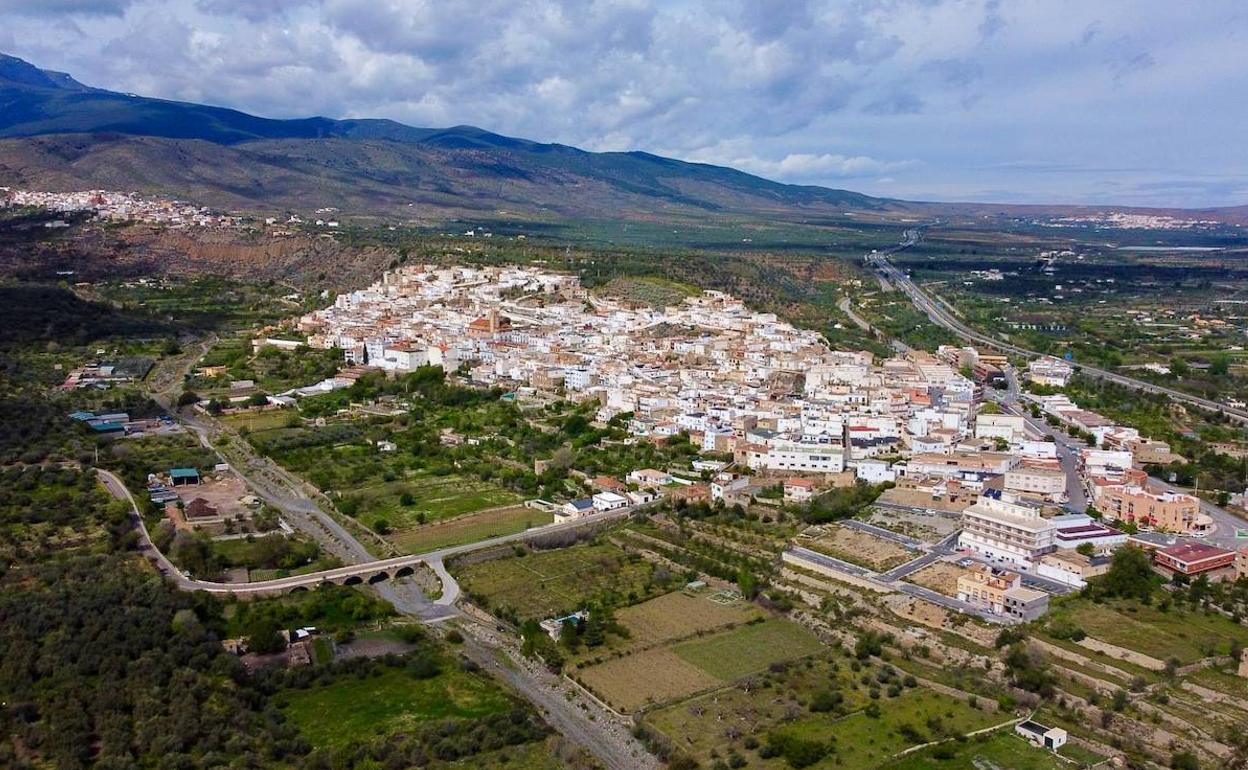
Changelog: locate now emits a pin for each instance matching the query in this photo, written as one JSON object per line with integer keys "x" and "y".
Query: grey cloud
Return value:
{"x": 899, "y": 103}
{"x": 65, "y": 7}
{"x": 253, "y": 10}
{"x": 768, "y": 21}
{"x": 804, "y": 90}
{"x": 993, "y": 21}
{"x": 1090, "y": 33}
{"x": 956, "y": 72}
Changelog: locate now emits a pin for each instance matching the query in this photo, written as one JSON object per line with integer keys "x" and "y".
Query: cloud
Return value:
{"x": 899, "y": 103}
{"x": 809, "y": 90}
{"x": 65, "y": 7}
{"x": 808, "y": 167}
{"x": 252, "y": 10}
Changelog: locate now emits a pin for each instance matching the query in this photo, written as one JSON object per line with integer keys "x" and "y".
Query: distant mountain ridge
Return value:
{"x": 58, "y": 134}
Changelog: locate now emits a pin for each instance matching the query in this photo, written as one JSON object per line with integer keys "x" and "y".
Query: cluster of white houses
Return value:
{"x": 772, "y": 399}
{"x": 736, "y": 381}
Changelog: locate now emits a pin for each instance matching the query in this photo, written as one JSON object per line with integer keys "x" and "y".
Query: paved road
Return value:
{"x": 584, "y": 723}
{"x": 847, "y": 308}
{"x": 945, "y": 547}
{"x": 1068, "y": 450}
{"x": 1226, "y": 525}
{"x": 941, "y": 316}
{"x": 435, "y": 559}
{"x": 896, "y": 584}
{"x": 833, "y": 563}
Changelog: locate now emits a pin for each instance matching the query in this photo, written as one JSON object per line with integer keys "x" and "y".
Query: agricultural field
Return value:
{"x": 645, "y": 678}
{"x": 1224, "y": 680}
{"x": 397, "y": 506}
{"x": 265, "y": 419}
{"x": 544, "y": 584}
{"x": 679, "y": 615}
{"x": 829, "y": 709}
{"x": 748, "y": 649}
{"x": 862, "y": 548}
{"x": 664, "y": 673}
{"x": 469, "y": 528}
{"x": 1181, "y": 634}
{"x": 51, "y": 510}
{"x": 353, "y": 709}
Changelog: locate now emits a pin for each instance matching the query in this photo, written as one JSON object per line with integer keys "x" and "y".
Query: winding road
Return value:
{"x": 940, "y": 315}
{"x": 434, "y": 559}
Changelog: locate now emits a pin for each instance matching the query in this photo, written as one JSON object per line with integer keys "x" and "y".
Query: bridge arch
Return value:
{"x": 353, "y": 580}
{"x": 405, "y": 571}
{"x": 380, "y": 577}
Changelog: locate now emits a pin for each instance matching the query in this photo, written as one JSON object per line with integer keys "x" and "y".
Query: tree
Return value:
{"x": 188, "y": 397}
{"x": 1130, "y": 576}
{"x": 264, "y": 637}
{"x": 1220, "y": 365}
{"x": 1179, "y": 367}
{"x": 1087, "y": 549}
{"x": 748, "y": 584}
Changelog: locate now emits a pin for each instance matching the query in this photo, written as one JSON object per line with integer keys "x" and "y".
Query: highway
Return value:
{"x": 941, "y": 316}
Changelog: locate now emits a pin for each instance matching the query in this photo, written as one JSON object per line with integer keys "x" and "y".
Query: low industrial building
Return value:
{"x": 1193, "y": 559}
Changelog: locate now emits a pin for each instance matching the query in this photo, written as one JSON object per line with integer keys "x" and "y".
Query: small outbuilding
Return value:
{"x": 184, "y": 476}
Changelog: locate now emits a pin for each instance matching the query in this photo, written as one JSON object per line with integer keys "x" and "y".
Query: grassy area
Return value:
{"x": 432, "y": 498}
{"x": 1174, "y": 633}
{"x": 748, "y": 649}
{"x": 869, "y": 714}
{"x": 267, "y": 419}
{"x": 352, "y": 709}
{"x": 651, "y": 291}
{"x": 863, "y": 741}
{"x": 547, "y": 583}
{"x": 1225, "y": 681}
{"x": 530, "y": 756}
{"x": 1003, "y": 749}
{"x": 470, "y": 528}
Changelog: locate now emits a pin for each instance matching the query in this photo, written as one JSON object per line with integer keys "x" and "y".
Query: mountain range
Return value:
{"x": 58, "y": 134}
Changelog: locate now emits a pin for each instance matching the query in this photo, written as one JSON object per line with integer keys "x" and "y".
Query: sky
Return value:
{"x": 1131, "y": 102}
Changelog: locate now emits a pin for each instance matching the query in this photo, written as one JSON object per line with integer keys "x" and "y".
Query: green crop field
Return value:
{"x": 745, "y": 650}
{"x": 547, "y": 583}
{"x": 267, "y": 419}
{"x": 354, "y": 709}
{"x": 470, "y": 528}
{"x": 433, "y": 498}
